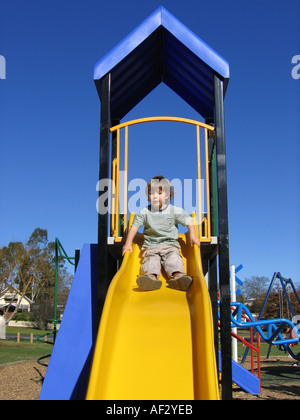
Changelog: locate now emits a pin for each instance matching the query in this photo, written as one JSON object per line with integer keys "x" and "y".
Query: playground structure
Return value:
{"x": 269, "y": 330}
{"x": 275, "y": 327}
{"x": 163, "y": 344}
{"x": 59, "y": 253}
{"x": 160, "y": 49}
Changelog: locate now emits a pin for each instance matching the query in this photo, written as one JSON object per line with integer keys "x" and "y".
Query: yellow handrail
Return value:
{"x": 116, "y": 170}
{"x": 113, "y": 199}
{"x": 125, "y": 178}
{"x": 155, "y": 119}
{"x": 208, "y": 234}
{"x": 199, "y": 177}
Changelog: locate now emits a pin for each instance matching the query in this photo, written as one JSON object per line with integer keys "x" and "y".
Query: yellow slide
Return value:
{"x": 155, "y": 345}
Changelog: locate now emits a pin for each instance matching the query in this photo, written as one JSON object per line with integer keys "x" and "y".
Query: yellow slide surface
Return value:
{"x": 155, "y": 345}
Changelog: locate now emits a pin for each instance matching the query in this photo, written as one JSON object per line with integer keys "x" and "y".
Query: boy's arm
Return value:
{"x": 193, "y": 236}
{"x": 128, "y": 244}
{"x": 183, "y": 218}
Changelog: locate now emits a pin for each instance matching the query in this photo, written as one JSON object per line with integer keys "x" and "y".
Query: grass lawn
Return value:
{"x": 264, "y": 347}
{"x": 25, "y": 331}
{"x": 11, "y": 351}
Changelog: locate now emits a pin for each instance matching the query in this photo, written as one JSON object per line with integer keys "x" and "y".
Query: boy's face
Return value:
{"x": 158, "y": 198}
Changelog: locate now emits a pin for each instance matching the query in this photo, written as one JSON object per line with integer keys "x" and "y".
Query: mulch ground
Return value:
{"x": 280, "y": 381}
{"x": 21, "y": 381}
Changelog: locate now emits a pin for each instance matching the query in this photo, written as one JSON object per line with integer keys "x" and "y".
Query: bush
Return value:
{"x": 24, "y": 316}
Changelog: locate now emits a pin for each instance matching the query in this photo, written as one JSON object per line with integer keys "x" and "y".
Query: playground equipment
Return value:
{"x": 276, "y": 327}
{"x": 285, "y": 295}
{"x": 161, "y": 345}
{"x": 247, "y": 380}
{"x": 270, "y": 330}
{"x": 59, "y": 253}
{"x": 168, "y": 335}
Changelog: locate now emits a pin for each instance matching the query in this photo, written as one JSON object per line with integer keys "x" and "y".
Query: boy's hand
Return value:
{"x": 195, "y": 240}
{"x": 193, "y": 236}
{"x": 126, "y": 247}
{"x": 128, "y": 244}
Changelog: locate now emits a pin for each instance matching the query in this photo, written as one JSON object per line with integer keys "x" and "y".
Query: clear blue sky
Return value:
{"x": 49, "y": 119}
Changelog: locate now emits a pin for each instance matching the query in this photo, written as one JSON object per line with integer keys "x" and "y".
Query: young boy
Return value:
{"x": 161, "y": 246}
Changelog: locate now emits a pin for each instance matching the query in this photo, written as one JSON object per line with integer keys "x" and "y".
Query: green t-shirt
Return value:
{"x": 161, "y": 226}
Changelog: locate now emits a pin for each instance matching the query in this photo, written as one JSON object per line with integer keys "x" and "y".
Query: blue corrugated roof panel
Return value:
{"x": 161, "y": 49}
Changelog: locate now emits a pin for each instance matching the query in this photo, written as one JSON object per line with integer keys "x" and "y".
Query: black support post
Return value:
{"x": 213, "y": 291}
{"x": 213, "y": 262}
{"x": 104, "y": 162}
{"x": 224, "y": 281}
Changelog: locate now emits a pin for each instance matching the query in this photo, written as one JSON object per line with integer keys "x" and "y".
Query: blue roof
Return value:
{"x": 161, "y": 49}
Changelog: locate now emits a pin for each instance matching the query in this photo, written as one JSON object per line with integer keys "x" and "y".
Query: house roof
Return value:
{"x": 13, "y": 289}
{"x": 161, "y": 49}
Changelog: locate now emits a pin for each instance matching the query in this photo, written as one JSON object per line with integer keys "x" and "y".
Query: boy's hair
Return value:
{"x": 162, "y": 183}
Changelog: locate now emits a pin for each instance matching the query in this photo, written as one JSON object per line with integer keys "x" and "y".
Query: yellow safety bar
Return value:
{"x": 115, "y": 175}
{"x": 115, "y": 222}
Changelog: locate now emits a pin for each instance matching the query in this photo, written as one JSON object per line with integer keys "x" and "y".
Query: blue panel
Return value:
{"x": 69, "y": 366}
{"x": 195, "y": 44}
{"x": 127, "y": 45}
{"x": 161, "y": 49}
{"x": 161, "y": 17}
{"x": 136, "y": 76}
{"x": 243, "y": 378}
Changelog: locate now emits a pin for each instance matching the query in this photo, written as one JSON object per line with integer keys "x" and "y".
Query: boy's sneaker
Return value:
{"x": 180, "y": 282}
{"x": 148, "y": 282}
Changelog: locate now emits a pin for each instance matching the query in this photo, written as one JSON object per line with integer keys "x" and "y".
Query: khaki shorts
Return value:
{"x": 166, "y": 255}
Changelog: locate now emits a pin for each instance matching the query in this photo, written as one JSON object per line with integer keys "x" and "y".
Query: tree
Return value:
{"x": 15, "y": 271}
{"x": 30, "y": 268}
{"x": 255, "y": 289}
{"x": 277, "y": 305}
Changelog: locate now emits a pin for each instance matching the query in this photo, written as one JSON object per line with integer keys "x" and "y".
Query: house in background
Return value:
{"x": 10, "y": 298}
